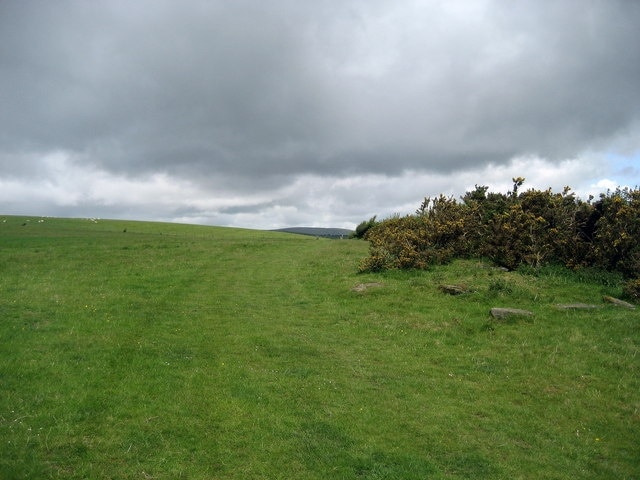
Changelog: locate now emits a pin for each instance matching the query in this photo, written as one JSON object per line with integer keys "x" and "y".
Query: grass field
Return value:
{"x": 172, "y": 351}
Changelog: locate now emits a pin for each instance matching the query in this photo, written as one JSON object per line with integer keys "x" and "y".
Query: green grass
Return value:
{"x": 175, "y": 351}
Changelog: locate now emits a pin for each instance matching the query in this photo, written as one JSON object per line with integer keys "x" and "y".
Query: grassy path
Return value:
{"x": 173, "y": 351}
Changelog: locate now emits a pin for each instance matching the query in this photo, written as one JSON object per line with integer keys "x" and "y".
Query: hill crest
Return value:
{"x": 317, "y": 231}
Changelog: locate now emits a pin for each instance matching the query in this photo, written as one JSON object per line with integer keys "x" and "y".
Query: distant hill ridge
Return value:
{"x": 317, "y": 232}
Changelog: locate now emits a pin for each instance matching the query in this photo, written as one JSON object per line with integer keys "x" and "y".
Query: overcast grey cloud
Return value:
{"x": 280, "y": 113}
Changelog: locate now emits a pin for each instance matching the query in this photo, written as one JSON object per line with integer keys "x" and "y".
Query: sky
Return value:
{"x": 286, "y": 113}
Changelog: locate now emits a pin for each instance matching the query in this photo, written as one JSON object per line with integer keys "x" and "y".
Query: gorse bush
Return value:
{"x": 434, "y": 235}
{"x": 530, "y": 228}
{"x": 364, "y": 227}
{"x": 631, "y": 289}
{"x": 616, "y": 232}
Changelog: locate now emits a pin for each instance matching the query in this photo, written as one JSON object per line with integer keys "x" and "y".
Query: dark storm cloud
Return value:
{"x": 257, "y": 92}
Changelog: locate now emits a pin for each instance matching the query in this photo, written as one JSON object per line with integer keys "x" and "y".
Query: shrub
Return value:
{"x": 364, "y": 227}
{"x": 531, "y": 228}
{"x": 517, "y": 237}
{"x": 631, "y": 289}
{"x": 616, "y": 238}
{"x": 434, "y": 235}
{"x": 403, "y": 242}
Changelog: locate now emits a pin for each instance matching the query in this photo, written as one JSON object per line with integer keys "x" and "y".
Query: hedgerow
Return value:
{"x": 530, "y": 228}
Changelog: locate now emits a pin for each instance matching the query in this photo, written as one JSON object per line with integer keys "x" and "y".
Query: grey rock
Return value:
{"x": 453, "y": 289}
{"x": 618, "y": 302}
{"x": 361, "y": 287}
{"x": 502, "y": 313}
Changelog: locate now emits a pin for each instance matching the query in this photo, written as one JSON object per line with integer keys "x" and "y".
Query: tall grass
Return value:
{"x": 175, "y": 351}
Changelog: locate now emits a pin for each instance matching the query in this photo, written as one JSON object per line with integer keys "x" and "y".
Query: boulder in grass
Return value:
{"x": 618, "y": 302}
{"x": 454, "y": 289}
{"x": 504, "y": 313}
{"x": 361, "y": 287}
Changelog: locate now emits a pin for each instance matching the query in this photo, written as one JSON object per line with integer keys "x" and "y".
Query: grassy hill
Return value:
{"x": 337, "y": 233}
{"x": 162, "y": 351}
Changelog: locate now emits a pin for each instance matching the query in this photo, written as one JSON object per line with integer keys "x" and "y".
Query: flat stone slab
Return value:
{"x": 502, "y": 313}
{"x": 454, "y": 289}
{"x": 361, "y": 287}
{"x": 618, "y": 302}
{"x": 576, "y": 306}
